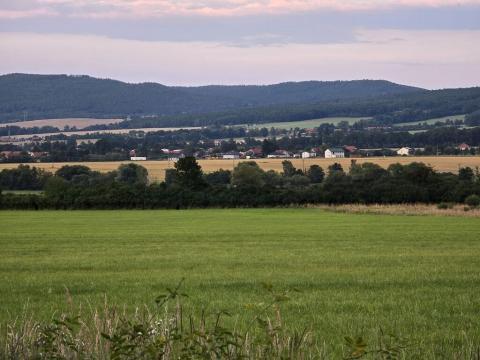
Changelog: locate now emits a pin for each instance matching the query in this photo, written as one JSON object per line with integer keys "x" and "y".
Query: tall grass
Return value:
{"x": 168, "y": 332}
{"x": 405, "y": 209}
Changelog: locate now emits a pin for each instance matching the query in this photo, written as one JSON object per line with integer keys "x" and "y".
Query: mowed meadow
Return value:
{"x": 156, "y": 169}
{"x": 414, "y": 276}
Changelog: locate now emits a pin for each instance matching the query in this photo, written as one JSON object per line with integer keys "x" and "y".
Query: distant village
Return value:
{"x": 228, "y": 143}
{"x": 256, "y": 152}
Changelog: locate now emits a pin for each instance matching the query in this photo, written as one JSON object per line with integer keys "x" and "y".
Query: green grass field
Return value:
{"x": 415, "y": 276}
{"x": 307, "y": 124}
{"x": 433, "y": 121}
{"x": 23, "y": 192}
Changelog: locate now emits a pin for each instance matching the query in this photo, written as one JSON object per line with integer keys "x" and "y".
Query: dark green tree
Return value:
{"x": 132, "y": 174}
{"x": 269, "y": 146}
{"x": 67, "y": 172}
{"x": 335, "y": 167}
{"x": 466, "y": 174}
{"x": 248, "y": 174}
{"x": 170, "y": 176}
{"x": 316, "y": 174}
{"x": 288, "y": 168}
{"x": 219, "y": 177}
{"x": 189, "y": 173}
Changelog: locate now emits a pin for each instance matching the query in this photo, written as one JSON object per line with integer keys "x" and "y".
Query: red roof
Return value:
{"x": 350, "y": 148}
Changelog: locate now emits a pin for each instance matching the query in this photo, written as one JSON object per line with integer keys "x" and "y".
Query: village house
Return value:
{"x": 464, "y": 147}
{"x": 255, "y": 152}
{"x": 231, "y": 155}
{"x": 279, "y": 154}
{"x": 405, "y": 151}
{"x": 37, "y": 155}
{"x": 350, "y": 149}
{"x": 10, "y": 154}
{"x": 175, "y": 157}
{"x": 307, "y": 154}
{"x": 334, "y": 153}
{"x": 199, "y": 154}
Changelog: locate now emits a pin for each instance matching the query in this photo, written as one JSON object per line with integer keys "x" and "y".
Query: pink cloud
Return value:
{"x": 21, "y": 14}
{"x": 159, "y": 8}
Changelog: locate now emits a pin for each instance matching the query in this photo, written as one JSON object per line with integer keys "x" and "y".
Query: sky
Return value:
{"x": 427, "y": 43}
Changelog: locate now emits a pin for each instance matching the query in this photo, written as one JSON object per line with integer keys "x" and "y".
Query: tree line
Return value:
{"x": 247, "y": 185}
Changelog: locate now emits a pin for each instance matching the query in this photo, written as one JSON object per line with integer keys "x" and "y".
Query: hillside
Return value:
{"x": 386, "y": 109}
{"x": 57, "y": 96}
{"x": 302, "y": 92}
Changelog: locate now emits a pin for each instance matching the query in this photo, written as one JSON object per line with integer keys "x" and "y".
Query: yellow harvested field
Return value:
{"x": 79, "y": 123}
{"x": 157, "y": 169}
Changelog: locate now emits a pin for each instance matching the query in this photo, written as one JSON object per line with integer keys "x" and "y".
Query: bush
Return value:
{"x": 473, "y": 200}
{"x": 445, "y": 206}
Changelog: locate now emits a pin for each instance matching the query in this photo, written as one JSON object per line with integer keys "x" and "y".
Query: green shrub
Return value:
{"x": 445, "y": 206}
{"x": 473, "y": 200}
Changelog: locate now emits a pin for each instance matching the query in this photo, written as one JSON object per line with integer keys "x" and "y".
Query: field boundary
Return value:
{"x": 402, "y": 209}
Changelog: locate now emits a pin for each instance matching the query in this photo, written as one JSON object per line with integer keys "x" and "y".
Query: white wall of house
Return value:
{"x": 330, "y": 154}
{"x": 405, "y": 151}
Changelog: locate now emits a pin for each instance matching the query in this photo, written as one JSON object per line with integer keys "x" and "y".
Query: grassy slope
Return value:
{"x": 414, "y": 275}
{"x": 306, "y": 124}
{"x": 433, "y": 121}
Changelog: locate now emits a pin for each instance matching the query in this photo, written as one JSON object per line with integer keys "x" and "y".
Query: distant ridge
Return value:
{"x": 56, "y": 96}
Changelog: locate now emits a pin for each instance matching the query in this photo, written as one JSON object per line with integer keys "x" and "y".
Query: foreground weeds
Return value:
{"x": 168, "y": 332}
{"x": 404, "y": 209}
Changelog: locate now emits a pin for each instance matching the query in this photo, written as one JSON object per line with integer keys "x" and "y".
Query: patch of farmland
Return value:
{"x": 98, "y": 132}
{"x": 412, "y": 276}
{"x": 433, "y": 121}
{"x": 79, "y": 123}
{"x": 156, "y": 169}
{"x": 306, "y": 124}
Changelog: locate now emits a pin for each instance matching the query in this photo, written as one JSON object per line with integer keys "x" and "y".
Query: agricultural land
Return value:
{"x": 156, "y": 169}
{"x": 414, "y": 276}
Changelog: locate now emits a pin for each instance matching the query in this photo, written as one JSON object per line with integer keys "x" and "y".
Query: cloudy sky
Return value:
{"x": 427, "y": 43}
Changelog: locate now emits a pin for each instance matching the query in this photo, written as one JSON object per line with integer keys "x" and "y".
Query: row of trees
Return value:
{"x": 78, "y": 187}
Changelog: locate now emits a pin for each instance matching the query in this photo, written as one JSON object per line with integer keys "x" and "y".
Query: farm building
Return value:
{"x": 405, "y": 151}
{"x": 254, "y": 152}
{"x": 464, "y": 147}
{"x": 10, "y": 154}
{"x": 334, "y": 153}
{"x": 279, "y": 154}
{"x": 231, "y": 155}
{"x": 306, "y": 154}
{"x": 350, "y": 149}
{"x": 138, "y": 158}
{"x": 37, "y": 154}
{"x": 175, "y": 157}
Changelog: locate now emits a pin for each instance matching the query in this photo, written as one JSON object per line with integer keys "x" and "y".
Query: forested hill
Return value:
{"x": 302, "y": 92}
{"x": 56, "y": 96}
